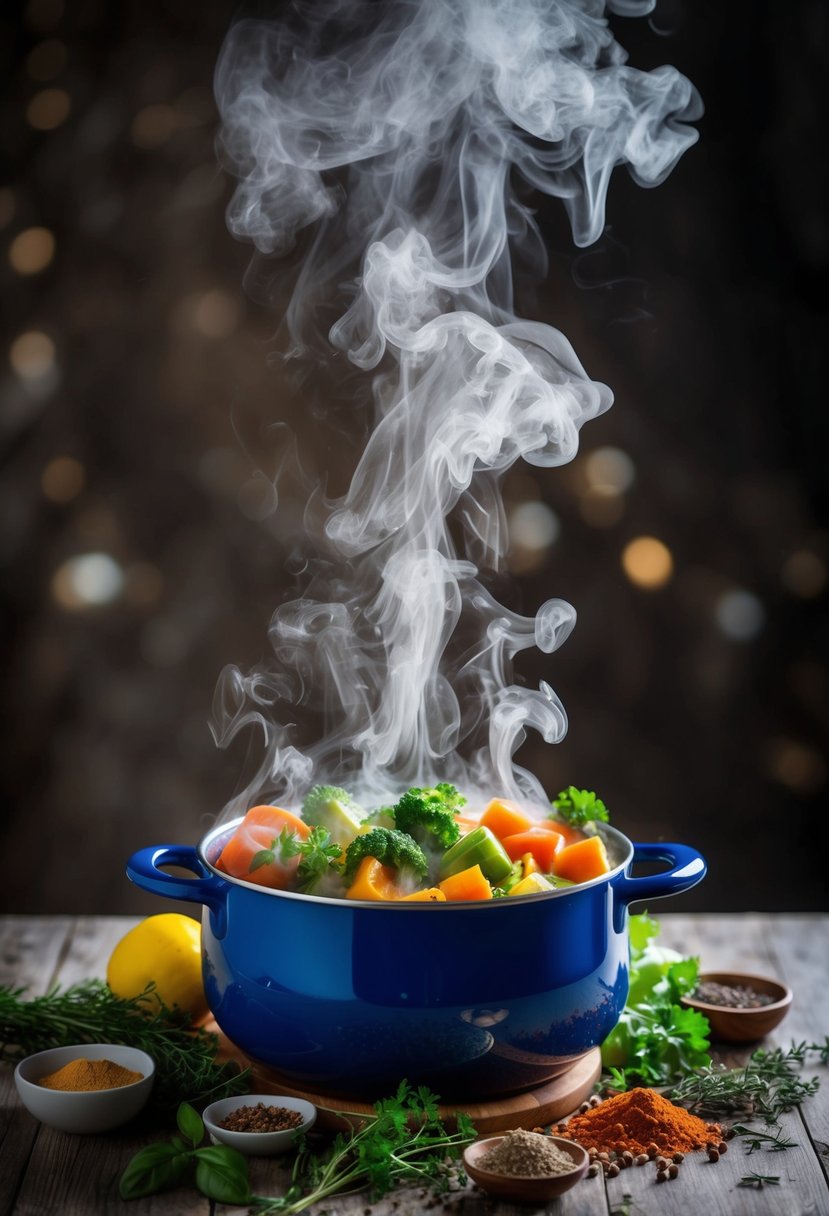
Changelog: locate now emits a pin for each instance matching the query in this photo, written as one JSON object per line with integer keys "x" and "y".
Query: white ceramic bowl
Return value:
{"x": 257, "y": 1144}
{"x": 86, "y": 1111}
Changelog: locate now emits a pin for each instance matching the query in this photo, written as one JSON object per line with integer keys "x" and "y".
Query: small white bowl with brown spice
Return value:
{"x": 53, "y": 1086}
{"x": 258, "y": 1125}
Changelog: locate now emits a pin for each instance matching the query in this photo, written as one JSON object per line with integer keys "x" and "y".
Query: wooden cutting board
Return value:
{"x": 536, "y": 1107}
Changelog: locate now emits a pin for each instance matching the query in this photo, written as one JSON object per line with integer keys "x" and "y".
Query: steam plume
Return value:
{"x": 398, "y": 133}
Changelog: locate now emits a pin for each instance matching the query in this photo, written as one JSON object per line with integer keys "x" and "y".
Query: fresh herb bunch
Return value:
{"x": 579, "y": 807}
{"x": 656, "y": 1041}
{"x": 317, "y": 854}
{"x": 219, "y": 1172}
{"x": 769, "y": 1085}
{"x": 185, "y": 1057}
{"x": 405, "y": 1141}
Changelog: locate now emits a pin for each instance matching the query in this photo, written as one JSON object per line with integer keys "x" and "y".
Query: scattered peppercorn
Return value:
{"x": 678, "y": 1158}
{"x": 662, "y": 1176}
{"x": 585, "y": 1106}
{"x": 613, "y": 1170}
{"x": 661, "y": 1162}
{"x": 652, "y": 1151}
{"x": 628, "y": 1156}
{"x": 261, "y": 1118}
{"x": 722, "y": 1147}
{"x": 642, "y": 1159}
{"x": 713, "y": 1155}
{"x": 592, "y": 1170}
{"x": 673, "y": 1170}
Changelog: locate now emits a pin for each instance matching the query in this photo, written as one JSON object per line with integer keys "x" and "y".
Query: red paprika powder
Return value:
{"x": 638, "y": 1119}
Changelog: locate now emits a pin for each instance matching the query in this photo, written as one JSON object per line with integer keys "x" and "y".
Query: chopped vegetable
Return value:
{"x": 542, "y": 847}
{"x": 582, "y": 861}
{"x": 329, "y": 806}
{"x": 429, "y": 814}
{"x": 263, "y": 847}
{"x": 532, "y": 885}
{"x": 505, "y": 818}
{"x": 393, "y": 848}
{"x": 478, "y": 847}
{"x": 466, "y": 884}
{"x": 578, "y": 807}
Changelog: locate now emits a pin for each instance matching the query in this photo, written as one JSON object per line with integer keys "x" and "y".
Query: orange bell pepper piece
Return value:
{"x": 582, "y": 861}
{"x": 467, "y": 884}
{"x": 505, "y": 818}
{"x": 543, "y": 846}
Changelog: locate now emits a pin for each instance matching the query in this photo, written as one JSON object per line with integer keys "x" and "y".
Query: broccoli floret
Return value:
{"x": 430, "y": 813}
{"x": 331, "y": 807}
{"x": 390, "y": 847}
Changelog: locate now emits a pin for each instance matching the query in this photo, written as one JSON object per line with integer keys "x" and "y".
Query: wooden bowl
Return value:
{"x": 729, "y": 1025}
{"x": 525, "y": 1190}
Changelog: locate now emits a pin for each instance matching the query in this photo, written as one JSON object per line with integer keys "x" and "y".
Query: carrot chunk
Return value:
{"x": 582, "y": 861}
{"x": 467, "y": 884}
{"x": 505, "y": 818}
{"x": 541, "y": 844}
{"x": 570, "y": 834}
{"x": 254, "y": 837}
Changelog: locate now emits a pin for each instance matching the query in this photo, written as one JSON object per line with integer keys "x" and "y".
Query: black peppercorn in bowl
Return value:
{"x": 746, "y": 1024}
{"x": 272, "y": 1130}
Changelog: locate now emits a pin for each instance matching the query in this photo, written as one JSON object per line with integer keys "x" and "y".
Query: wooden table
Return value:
{"x": 42, "y": 1171}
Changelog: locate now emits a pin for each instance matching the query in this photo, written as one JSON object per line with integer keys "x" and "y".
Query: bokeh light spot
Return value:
{"x": 46, "y": 60}
{"x": 647, "y": 562}
{"x": 533, "y": 525}
{"x": 43, "y": 14}
{"x": 739, "y": 615}
{"x": 32, "y": 250}
{"x": 601, "y": 506}
{"x": 88, "y": 581}
{"x": 32, "y": 355}
{"x": 795, "y": 765}
{"x": 153, "y": 126}
{"x": 48, "y": 109}
{"x": 63, "y": 479}
{"x": 216, "y": 314}
{"x": 257, "y": 498}
{"x": 610, "y": 469}
{"x": 804, "y": 573}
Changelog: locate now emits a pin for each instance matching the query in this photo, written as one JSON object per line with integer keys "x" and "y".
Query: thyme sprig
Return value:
{"x": 758, "y": 1181}
{"x": 185, "y": 1056}
{"x": 754, "y": 1140}
{"x": 766, "y": 1087}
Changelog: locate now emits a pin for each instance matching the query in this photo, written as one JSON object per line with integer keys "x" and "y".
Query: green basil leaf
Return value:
{"x": 156, "y": 1168}
{"x": 222, "y": 1174}
{"x": 190, "y": 1124}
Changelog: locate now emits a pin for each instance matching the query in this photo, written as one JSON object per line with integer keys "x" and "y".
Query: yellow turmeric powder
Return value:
{"x": 81, "y": 1075}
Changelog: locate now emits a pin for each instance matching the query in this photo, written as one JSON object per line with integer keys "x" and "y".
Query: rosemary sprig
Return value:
{"x": 185, "y": 1056}
{"x": 758, "y": 1181}
{"x": 755, "y": 1140}
{"x": 766, "y": 1087}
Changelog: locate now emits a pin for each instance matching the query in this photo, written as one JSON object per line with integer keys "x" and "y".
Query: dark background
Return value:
{"x": 138, "y": 387}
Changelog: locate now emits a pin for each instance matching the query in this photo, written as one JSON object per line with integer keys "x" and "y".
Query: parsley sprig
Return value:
{"x": 404, "y": 1141}
{"x": 579, "y": 807}
{"x": 317, "y": 854}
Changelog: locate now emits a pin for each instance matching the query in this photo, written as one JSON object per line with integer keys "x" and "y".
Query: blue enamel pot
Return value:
{"x": 472, "y": 999}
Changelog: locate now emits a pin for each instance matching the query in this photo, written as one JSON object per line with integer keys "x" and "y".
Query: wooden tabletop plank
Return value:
{"x": 74, "y": 1174}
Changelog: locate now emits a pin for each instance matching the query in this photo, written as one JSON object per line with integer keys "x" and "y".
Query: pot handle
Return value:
{"x": 687, "y": 869}
{"x": 143, "y": 868}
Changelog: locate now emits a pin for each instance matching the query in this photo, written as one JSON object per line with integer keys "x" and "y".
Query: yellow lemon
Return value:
{"x": 164, "y": 950}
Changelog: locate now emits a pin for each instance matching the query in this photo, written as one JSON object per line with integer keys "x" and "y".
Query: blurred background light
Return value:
{"x": 32, "y": 250}
{"x": 62, "y": 479}
{"x": 610, "y": 469}
{"x": 795, "y": 765}
{"x": 32, "y": 355}
{"x": 46, "y": 60}
{"x": 647, "y": 562}
{"x": 804, "y": 573}
{"x": 7, "y": 206}
{"x": 48, "y": 109}
{"x": 739, "y": 615}
{"x": 533, "y": 529}
{"x": 90, "y": 580}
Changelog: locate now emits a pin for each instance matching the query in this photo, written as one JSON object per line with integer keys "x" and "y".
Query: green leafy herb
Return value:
{"x": 318, "y": 855}
{"x": 578, "y": 807}
{"x": 185, "y": 1056}
{"x": 657, "y": 1041}
{"x": 220, "y": 1172}
{"x": 754, "y": 1140}
{"x": 405, "y": 1141}
{"x": 766, "y": 1087}
{"x": 758, "y": 1181}
{"x": 285, "y": 846}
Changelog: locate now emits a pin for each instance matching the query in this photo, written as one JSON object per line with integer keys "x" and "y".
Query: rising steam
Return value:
{"x": 397, "y": 133}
